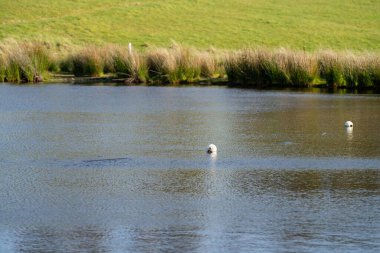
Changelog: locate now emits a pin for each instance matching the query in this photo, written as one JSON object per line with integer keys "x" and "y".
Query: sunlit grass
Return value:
{"x": 304, "y": 24}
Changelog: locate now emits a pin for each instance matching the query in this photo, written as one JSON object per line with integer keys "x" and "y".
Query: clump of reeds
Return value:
{"x": 96, "y": 61}
{"x": 255, "y": 67}
{"x": 127, "y": 64}
{"x": 330, "y": 68}
{"x": 374, "y": 69}
{"x": 349, "y": 70}
{"x": 261, "y": 67}
{"x": 243, "y": 66}
{"x": 360, "y": 71}
{"x": 25, "y": 61}
{"x": 176, "y": 64}
{"x": 208, "y": 65}
{"x": 88, "y": 61}
{"x": 301, "y": 68}
{"x": 160, "y": 64}
{"x": 211, "y": 63}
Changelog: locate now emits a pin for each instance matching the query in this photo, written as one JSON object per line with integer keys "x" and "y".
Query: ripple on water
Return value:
{"x": 124, "y": 169}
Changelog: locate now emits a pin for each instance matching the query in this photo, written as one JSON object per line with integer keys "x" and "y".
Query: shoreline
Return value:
{"x": 220, "y": 82}
{"x": 34, "y": 62}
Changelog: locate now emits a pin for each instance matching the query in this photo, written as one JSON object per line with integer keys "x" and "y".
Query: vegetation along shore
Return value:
{"x": 177, "y": 64}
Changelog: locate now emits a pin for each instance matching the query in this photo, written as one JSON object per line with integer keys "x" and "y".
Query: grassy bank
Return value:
{"x": 288, "y": 68}
{"x": 260, "y": 67}
{"x": 228, "y": 24}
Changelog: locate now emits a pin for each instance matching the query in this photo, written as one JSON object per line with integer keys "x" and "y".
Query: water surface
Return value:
{"x": 124, "y": 169}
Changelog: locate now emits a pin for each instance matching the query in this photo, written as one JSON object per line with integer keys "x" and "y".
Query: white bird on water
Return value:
{"x": 212, "y": 149}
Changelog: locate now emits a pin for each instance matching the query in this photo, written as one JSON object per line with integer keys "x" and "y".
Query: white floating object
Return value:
{"x": 348, "y": 124}
{"x": 212, "y": 149}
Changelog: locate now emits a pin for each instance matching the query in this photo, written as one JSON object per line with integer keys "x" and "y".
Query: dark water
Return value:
{"x": 124, "y": 169}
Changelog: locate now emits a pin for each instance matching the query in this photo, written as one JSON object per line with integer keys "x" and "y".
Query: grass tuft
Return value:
{"x": 330, "y": 68}
{"x": 87, "y": 62}
{"x": 25, "y": 61}
{"x": 128, "y": 64}
{"x": 302, "y": 68}
{"x": 176, "y": 64}
{"x": 261, "y": 68}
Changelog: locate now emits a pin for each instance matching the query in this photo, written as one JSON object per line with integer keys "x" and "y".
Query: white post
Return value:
{"x": 130, "y": 48}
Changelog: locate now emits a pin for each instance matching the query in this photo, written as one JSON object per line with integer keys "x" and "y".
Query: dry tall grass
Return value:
{"x": 25, "y": 61}
{"x": 349, "y": 69}
{"x": 88, "y": 61}
{"x": 330, "y": 67}
{"x": 176, "y": 64}
{"x": 127, "y": 64}
{"x": 31, "y": 61}
{"x": 261, "y": 67}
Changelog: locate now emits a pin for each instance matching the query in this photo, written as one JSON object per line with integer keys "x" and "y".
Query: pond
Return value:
{"x": 125, "y": 169}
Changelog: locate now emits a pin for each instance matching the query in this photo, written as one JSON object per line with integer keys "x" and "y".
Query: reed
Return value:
{"x": 366, "y": 69}
{"x": 254, "y": 67}
{"x": 128, "y": 64}
{"x": 25, "y": 61}
{"x": 374, "y": 69}
{"x": 160, "y": 64}
{"x": 176, "y": 64}
{"x": 18, "y": 69}
{"x": 301, "y": 68}
{"x": 188, "y": 64}
{"x": 242, "y": 66}
{"x": 96, "y": 61}
{"x": 349, "y": 70}
{"x": 356, "y": 71}
{"x": 18, "y": 63}
{"x": 88, "y": 61}
{"x": 208, "y": 65}
{"x": 330, "y": 68}
{"x": 261, "y": 68}
{"x": 231, "y": 66}
{"x": 212, "y": 63}
{"x": 2, "y": 68}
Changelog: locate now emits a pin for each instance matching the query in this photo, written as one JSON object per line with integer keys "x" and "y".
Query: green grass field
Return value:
{"x": 297, "y": 24}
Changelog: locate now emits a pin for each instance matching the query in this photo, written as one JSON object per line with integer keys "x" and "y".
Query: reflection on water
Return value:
{"x": 350, "y": 133}
{"x": 195, "y": 210}
{"x": 124, "y": 169}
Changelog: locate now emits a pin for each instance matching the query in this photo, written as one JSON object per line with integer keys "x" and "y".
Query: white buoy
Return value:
{"x": 212, "y": 149}
{"x": 349, "y": 124}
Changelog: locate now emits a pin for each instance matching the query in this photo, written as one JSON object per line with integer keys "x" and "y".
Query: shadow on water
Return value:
{"x": 105, "y": 162}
